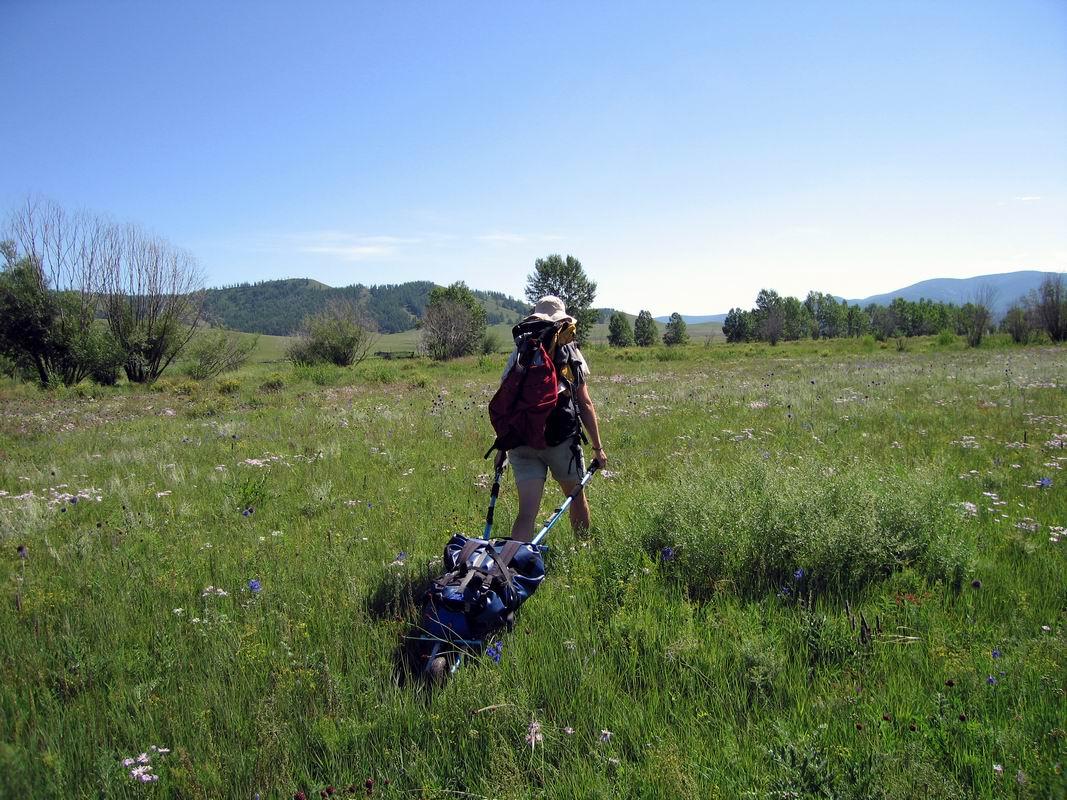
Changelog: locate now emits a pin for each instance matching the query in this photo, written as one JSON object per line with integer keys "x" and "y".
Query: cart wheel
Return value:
{"x": 437, "y": 670}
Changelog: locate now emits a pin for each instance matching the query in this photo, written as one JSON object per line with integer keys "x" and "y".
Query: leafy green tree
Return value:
{"x": 739, "y": 326}
{"x": 50, "y": 334}
{"x": 454, "y": 324}
{"x": 797, "y": 321}
{"x": 565, "y": 278}
{"x": 620, "y": 331}
{"x": 646, "y": 331}
{"x": 675, "y": 333}
{"x": 1017, "y": 323}
{"x": 770, "y": 316}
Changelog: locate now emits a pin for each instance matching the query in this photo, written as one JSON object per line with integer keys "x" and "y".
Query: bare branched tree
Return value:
{"x": 1048, "y": 307}
{"x": 977, "y": 315}
{"x": 153, "y": 300}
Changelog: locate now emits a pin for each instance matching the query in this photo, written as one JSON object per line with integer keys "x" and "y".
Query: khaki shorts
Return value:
{"x": 529, "y": 464}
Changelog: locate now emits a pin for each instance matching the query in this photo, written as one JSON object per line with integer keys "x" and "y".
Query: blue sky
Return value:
{"x": 688, "y": 153}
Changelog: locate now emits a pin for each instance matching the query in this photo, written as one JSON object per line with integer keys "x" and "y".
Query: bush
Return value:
{"x": 454, "y": 324}
{"x": 228, "y": 386}
{"x": 339, "y": 335}
{"x": 215, "y": 352}
{"x": 946, "y": 338}
{"x": 491, "y": 343}
{"x": 761, "y": 526}
{"x": 274, "y": 383}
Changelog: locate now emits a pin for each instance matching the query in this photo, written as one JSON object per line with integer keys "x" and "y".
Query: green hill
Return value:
{"x": 278, "y": 307}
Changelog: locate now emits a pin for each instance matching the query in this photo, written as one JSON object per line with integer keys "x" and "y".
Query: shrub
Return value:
{"x": 274, "y": 383}
{"x": 946, "y": 338}
{"x": 454, "y": 324}
{"x": 491, "y": 343}
{"x": 228, "y": 386}
{"x": 339, "y": 335}
{"x": 761, "y": 526}
{"x": 215, "y": 352}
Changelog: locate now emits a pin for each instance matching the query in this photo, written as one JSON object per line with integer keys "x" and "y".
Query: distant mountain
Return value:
{"x": 279, "y": 307}
{"x": 1006, "y": 286}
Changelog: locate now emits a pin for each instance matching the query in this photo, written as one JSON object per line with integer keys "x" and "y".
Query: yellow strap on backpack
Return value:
{"x": 565, "y": 334}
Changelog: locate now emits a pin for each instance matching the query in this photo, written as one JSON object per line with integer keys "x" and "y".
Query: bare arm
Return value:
{"x": 588, "y": 414}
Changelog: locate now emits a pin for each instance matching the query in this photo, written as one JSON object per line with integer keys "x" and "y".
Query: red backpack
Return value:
{"x": 521, "y": 406}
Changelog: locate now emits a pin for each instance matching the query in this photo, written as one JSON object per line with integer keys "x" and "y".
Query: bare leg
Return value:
{"x": 579, "y": 510}
{"x": 530, "y": 493}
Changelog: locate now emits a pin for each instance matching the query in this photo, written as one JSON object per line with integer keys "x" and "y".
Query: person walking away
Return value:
{"x": 563, "y": 455}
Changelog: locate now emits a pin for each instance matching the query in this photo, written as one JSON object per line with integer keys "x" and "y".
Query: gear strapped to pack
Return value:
{"x": 529, "y": 408}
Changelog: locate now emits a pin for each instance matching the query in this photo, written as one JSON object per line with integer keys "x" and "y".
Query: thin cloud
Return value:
{"x": 1028, "y": 198}
{"x": 349, "y": 247}
{"x": 504, "y": 237}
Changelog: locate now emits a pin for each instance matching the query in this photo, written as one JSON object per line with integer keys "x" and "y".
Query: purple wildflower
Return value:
{"x": 991, "y": 681}
{"x": 605, "y": 736}
{"x": 23, "y": 552}
{"x": 667, "y": 554}
{"x": 996, "y": 652}
{"x": 248, "y": 511}
{"x": 799, "y": 574}
{"x": 495, "y": 651}
{"x": 254, "y": 586}
{"x": 1044, "y": 483}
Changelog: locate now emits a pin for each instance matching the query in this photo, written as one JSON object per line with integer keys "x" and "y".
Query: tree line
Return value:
{"x": 280, "y": 307}
{"x": 822, "y": 316}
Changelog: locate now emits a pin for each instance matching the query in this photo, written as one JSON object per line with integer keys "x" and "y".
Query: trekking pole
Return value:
{"x": 493, "y": 495}
{"x": 566, "y": 503}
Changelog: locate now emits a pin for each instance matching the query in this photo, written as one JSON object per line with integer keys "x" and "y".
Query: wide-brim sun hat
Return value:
{"x": 549, "y": 309}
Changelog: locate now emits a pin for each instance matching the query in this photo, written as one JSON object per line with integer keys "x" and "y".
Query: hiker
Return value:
{"x": 573, "y": 408}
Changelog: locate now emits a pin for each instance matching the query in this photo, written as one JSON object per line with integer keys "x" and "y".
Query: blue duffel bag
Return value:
{"x": 485, "y": 581}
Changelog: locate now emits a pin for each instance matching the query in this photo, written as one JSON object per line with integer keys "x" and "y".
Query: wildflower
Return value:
{"x": 128, "y": 762}
{"x": 1044, "y": 483}
{"x": 569, "y": 730}
{"x": 976, "y": 584}
{"x": 799, "y": 574}
{"x": 998, "y": 769}
{"x": 667, "y": 554}
{"x": 248, "y": 511}
{"x": 605, "y": 736}
{"x": 991, "y": 681}
{"x": 401, "y": 557}
{"x": 23, "y": 552}
{"x": 534, "y": 736}
{"x": 1046, "y": 629}
{"x": 495, "y": 651}
{"x": 179, "y": 611}
{"x": 254, "y": 586}
{"x": 996, "y": 653}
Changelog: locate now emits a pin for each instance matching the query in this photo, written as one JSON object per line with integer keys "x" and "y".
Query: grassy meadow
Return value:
{"x": 823, "y": 569}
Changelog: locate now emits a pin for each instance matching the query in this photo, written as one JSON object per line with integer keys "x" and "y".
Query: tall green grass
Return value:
{"x": 783, "y": 594}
